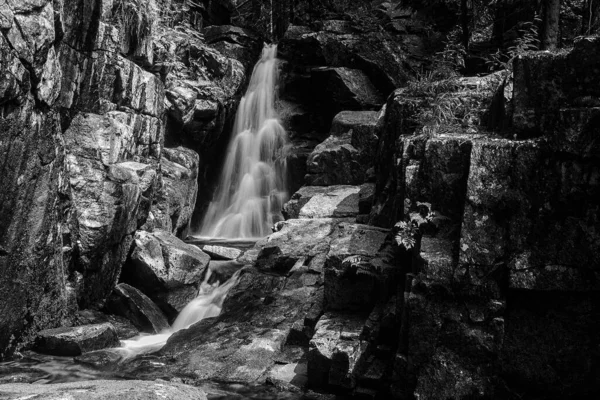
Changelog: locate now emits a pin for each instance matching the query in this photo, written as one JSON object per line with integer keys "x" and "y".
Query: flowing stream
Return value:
{"x": 207, "y": 304}
{"x": 252, "y": 187}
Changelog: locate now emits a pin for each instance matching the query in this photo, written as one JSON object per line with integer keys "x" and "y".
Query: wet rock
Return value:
{"x": 76, "y": 340}
{"x": 20, "y": 375}
{"x": 221, "y": 252}
{"x": 335, "y": 351}
{"x": 100, "y": 359}
{"x": 123, "y": 327}
{"x": 323, "y": 202}
{"x": 223, "y": 270}
{"x": 257, "y": 315}
{"x": 132, "y": 304}
{"x": 335, "y": 162}
{"x": 294, "y": 240}
{"x": 165, "y": 269}
{"x": 175, "y": 200}
{"x": 106, "y": 390}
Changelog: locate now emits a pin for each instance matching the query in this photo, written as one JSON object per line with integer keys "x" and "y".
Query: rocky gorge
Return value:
{"x": 439, "y": 240}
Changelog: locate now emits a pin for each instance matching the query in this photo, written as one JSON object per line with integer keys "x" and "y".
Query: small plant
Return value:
{"x": 359, "y": 265}
{"x": 407, "y": 233}
{"x": 527, "y": 41}
{"x": 390, "y": 11}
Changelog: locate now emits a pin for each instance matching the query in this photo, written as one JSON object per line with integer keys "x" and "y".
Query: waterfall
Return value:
{"x": 252, "y": 187}
{"x": 207, "y": 304}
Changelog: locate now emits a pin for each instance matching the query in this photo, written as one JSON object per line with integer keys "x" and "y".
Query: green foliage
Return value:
{"x": 390, "y": 11}
{"x": 440, "y": 106}
{"x": 526, "y": 41}
{"x": 358, "y": 265}
{"x": 406, "y": 235}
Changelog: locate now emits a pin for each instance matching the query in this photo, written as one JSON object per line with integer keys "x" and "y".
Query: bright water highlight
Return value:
{"x": 253, "y": 183}
{"x": 207, "y": 304}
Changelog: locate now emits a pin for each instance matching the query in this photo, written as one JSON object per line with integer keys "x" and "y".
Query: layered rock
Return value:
{"x": 503, "y": 223}
{"x": 83, "y": 107}
{"x": 176, "y": 198}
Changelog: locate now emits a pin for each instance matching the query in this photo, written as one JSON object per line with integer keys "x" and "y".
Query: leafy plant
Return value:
{"x": 359, "y": 265}
{"x": 407, "y": 232}
{"x": 526, "y": 41}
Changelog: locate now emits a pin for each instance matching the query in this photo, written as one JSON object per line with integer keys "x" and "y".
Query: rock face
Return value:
{"x": 132, "y": 304}
{"x": 77, "y": 340}
{"x": 504, "y": 223}
{"x": 84, "y": 92}
{"x": 105, "y": 390}
{"x": 165, "y": 269}
{"x": 176, "y": 197}
{"x": 271, "y": 313}
{"x": 346, "y": 155}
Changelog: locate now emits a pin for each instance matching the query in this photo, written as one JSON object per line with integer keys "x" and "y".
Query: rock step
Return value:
{"x": 347, "y": 155}
{"x": 134, "y": 305}
{"x": 339, "y": 201}
{"x": 221, "y": 252}
{"x": 73, "y": 341}
{"x": 335, "y": 350}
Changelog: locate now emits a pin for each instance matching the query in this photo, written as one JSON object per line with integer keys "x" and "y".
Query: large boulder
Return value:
{"x": 132, "y": 304}
{"x": 76, "y": 340}
{"x": 110, "y": 200}
{"x": 166, "y": 269}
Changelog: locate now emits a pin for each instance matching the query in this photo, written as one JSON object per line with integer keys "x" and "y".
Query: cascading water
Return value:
{"x": 252, "y": 188}
{"x": 207, "y": 304}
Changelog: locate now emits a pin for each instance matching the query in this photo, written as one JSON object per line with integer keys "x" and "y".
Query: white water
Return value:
{"x": 207, "y": 304}
{"x": 252, "y": 187}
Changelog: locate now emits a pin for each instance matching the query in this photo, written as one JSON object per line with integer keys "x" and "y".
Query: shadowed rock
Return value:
{"x": 132, "y": 304}
{"x": 76, "y": 340}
